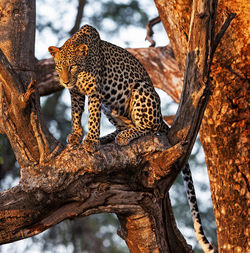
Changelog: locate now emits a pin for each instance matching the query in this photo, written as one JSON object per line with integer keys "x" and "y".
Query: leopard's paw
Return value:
{"x": 75, "y": 138}
{"x": 90, "y": 146}
{"x": 122, "y": 140}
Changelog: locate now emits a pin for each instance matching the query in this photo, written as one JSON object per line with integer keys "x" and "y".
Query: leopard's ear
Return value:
{"x": 53, "y": 51}
{"x": 81, "y": 50}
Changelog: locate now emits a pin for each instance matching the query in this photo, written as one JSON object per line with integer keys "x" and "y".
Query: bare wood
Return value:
{"x": 149, "y": 28}
{"x": 17, "y": 37}
{"x": 45, "y": 184}
{"x": 29, "y": 139}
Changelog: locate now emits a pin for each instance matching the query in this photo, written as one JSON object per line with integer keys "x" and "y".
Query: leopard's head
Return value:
{"x": 78, "y": 54}
{"x": 69, "y": 62}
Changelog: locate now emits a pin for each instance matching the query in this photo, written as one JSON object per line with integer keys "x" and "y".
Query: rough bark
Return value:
{"x": 133, "y": 181}
{"x": 225, "y": 130}
{"x": 29, "y": 137}
{"x": 225, "y": 124}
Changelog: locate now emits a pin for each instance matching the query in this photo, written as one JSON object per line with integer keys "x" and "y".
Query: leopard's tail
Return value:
{"x": 203, "y": 241}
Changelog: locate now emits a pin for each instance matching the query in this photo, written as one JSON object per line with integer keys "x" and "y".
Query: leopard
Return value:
{"x": 117, "y": 84}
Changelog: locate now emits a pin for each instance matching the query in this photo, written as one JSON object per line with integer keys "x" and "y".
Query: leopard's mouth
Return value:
{"x": 67, "y": 85}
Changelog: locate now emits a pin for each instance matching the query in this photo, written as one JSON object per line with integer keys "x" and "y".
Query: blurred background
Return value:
{"x": 122, "y": 23}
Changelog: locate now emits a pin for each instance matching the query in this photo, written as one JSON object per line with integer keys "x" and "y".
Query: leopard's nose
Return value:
{"x": 64, "y": 75}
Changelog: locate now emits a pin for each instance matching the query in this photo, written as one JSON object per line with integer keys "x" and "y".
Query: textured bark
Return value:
{"x": 225, "y": 131}
{"x": 29, "y": 138}
{"x": 225, "y": 125}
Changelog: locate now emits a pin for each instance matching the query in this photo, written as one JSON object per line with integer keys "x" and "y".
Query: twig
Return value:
{"x": 30, "y": 90}
{"x": 220, "y": 34}
{"x": 80, "y": 8}
{"x": 150, "y": 32}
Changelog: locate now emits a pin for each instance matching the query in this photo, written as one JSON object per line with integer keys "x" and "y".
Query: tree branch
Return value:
{"x": 47, "y": 81}
{"x": 81, "y": 4}
{"x": 79, "y": 181}
{"x": 149, "y": 28}
{"x": 28, "y": 136}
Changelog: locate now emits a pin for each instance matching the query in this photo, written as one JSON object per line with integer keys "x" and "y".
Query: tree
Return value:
{"x": 60, "y": 182}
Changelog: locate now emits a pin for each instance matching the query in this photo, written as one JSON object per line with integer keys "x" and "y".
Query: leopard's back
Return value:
{"x": 122, "y": 76}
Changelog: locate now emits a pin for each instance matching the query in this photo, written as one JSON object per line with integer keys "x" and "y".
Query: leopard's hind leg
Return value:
{"x": 145, "y": 114}
{"x": 127, "y": 135}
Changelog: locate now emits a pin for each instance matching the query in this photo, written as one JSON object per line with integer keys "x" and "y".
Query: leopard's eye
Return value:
{"x": 72, "y": 68}
{"x": 58, "y": 68}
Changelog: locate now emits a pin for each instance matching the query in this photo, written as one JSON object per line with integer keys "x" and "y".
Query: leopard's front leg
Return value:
{"x": 77, "y": 104}
{"x": 91, "y": 143}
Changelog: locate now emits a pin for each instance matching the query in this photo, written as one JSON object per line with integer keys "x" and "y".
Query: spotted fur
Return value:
{"x": 116, "y": 82}
{"x": 192, "y": 201}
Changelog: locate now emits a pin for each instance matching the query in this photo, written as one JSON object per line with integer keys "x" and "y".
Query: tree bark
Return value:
{"x": 224, "y": 132}
{"x": 133, "y": 181}
{"x": 225, "y": 124}
{"x": 29, "y": 138}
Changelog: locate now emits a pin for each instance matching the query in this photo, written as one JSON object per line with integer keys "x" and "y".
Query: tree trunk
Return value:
{"x": 225, "y": 129}
{"x": 225, "y": 124}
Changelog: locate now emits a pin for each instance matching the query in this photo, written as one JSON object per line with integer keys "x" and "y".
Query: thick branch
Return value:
{"x": 196, "y": 86}
{"x": 78, "y": 183}
{"x": 17, "y": 29}
{"x": 20, "y": 120}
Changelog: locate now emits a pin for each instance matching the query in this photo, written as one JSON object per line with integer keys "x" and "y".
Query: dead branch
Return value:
{"x": 80, "y": 8}
{"x": 149, "y": 28}
{"x": 91, "y": 183}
